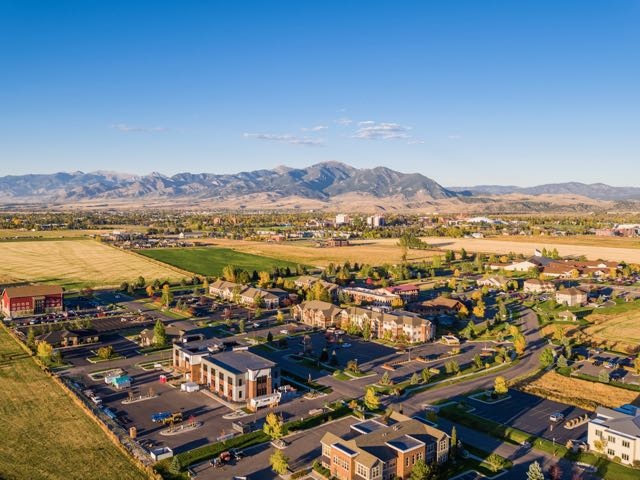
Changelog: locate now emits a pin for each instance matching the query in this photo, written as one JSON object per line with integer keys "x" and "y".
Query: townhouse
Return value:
{"x": 380, "y": 451}
{"x": 317, "y": 313}
{"x": 247, "y": 295}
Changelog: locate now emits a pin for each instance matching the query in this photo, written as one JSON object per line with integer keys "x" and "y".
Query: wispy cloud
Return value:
{"x": 316, "y": 128}
{"x": 286, "y": 138}
{"x": 454, "y": 137}
{"x": 124, "y": 128}
{"x": 415, "y": 142}
{"x": 371, "y": 130}
{"x": 344, "y": 121}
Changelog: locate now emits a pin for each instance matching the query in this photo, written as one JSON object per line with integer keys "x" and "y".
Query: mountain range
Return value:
{"x": 323, "y": 185}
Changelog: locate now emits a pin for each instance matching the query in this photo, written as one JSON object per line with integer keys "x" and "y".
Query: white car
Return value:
{"x": 556, "y": 417}
{"x": 284, "y": 331}
{"x": 346, "y": 345}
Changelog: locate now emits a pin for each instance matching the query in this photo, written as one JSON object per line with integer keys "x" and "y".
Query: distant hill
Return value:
{"x": 596, "y": 191}
{"x": 321, "y": 181}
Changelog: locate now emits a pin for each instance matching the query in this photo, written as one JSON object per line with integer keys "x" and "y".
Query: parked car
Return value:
{"x": 556, "y": 417}
{"x": 346, "y": 345}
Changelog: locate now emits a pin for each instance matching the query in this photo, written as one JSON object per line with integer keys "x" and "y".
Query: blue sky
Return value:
{"x": 465, "y": 92}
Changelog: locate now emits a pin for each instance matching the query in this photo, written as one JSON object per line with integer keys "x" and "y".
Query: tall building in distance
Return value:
{"x": 342, "y": 219}
{"x": 375, "y": 221}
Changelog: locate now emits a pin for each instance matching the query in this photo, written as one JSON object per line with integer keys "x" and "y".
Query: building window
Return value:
{"x": 239, "y": 382}
{"x": 611, "y": 439}
{"x": 361, "y": 470}
{"x": 239, "y": 393}
{"x": 611, "y": 452}
{"x": 406, "y": 461}
{"x": 326, "y": 450}
{"x": 375, "y": 472}
{"x": 625, "y": 457}
{"x": 599, "y": 433}
{"x": 626, "y": 444}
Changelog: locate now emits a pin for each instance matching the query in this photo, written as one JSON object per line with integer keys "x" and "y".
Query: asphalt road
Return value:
{"x": 528, "y": 363}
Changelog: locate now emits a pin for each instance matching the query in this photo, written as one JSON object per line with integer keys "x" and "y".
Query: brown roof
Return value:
{"x": 442, "y": 302}
{"x": 33, "y": 291}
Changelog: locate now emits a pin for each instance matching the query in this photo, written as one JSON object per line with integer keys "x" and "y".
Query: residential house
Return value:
{"x": 533, "y": 285}
{"x": 616, "y": 433}
{"x": 571, "y": 297}
{"x": 317, "y": 313}
{"x": 223, "y": 289}
{"x": 383, "y": 451}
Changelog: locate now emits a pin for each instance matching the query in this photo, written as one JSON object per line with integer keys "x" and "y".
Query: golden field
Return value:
{"x": 526, "y": 245}
{"x": 372, "y": 252}
{"x": 578, "y": 392}
{"x": 619, "y": 331}
{"x": 45, "y": 434}
{"x": 75, "y": 263}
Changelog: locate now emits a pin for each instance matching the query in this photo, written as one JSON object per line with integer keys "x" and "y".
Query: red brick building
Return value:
{"x": 31, "y": 300}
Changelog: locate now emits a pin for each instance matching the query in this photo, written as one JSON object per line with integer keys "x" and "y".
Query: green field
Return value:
{"x": 45, "y": 434}
{"x": 211, "y": 260}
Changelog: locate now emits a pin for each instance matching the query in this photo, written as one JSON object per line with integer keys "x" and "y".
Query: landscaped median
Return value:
{"x": 609, "y": 470}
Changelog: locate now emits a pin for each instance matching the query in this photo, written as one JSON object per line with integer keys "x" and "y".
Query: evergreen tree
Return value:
{"x": 535, "y": 472}
{"x": 159, "y": 334}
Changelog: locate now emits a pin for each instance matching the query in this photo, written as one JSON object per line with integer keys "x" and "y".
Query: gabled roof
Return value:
{"x": 32, "y": 291}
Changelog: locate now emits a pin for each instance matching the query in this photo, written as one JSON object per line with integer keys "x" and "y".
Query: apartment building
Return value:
{"x": 380, "y": 451}
{"x": 616, "y": 433}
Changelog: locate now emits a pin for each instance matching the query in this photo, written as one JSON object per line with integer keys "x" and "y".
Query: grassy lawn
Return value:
{"x": 45, "y": 434}
{"x": 211, "y": 260}
{"x": 75, "y": 264}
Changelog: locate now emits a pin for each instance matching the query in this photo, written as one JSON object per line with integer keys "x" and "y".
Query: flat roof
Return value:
{"x": 404, "y": 443}
{"x": 239, "y": 361}
{"x": 367, "y": 426}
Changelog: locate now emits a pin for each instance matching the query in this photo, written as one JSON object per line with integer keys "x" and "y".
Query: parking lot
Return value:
{"x": 531, "y": 414}
{"x": 303, "y": 449}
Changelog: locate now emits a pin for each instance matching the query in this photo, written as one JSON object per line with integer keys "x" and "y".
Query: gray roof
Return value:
{"x": 618, "y": 421}
{"x": 239, "y": 361}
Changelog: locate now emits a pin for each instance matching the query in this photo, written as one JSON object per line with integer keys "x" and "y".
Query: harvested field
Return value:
{"x": 47, "y": 435}
{"x": 528, "y": 245}
{"x": 581, "y": 393}
{"x": 76, "y": 263}
{"x": 373, "y": 252}
{"x": 620, "y": 331}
